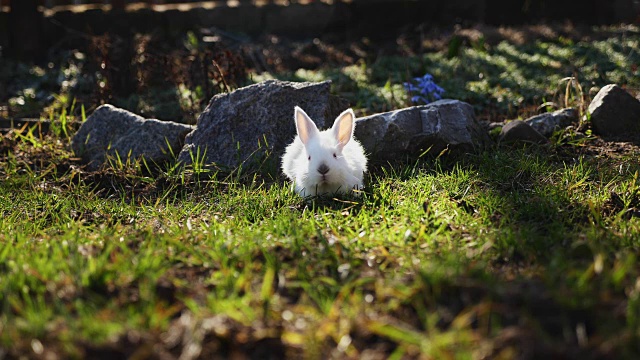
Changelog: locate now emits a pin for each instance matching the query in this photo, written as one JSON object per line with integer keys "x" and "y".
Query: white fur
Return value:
{"x": 345, "y": 170}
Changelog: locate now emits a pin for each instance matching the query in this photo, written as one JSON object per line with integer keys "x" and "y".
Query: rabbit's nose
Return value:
{"x": 323, "y": 169}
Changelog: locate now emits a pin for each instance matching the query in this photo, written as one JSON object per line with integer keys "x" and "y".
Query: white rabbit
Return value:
{"x": 324, "y": 162}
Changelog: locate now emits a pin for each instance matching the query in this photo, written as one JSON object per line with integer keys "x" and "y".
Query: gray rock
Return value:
{"x": 110, "y": 130}
{"x": 243, "y": 124}
{"x": 547, "y": 123}
{"x": 520, "y": 131}
{"x": 413, "y": 130}
{"x": 615, "y": 113}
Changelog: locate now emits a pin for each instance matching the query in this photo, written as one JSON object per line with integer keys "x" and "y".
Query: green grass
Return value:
{"x": 493, "y": 254}
{"x": 501, "y": 81}
{"x": 511, "y": 253}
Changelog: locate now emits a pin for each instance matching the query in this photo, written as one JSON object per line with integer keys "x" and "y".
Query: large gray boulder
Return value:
{"x": 411, "y": 131}
{"x": 110, "y": 130}
{"x": 547, "y": 123}
{"x": 615, "y": 114}
{"x": 244, "y": 124}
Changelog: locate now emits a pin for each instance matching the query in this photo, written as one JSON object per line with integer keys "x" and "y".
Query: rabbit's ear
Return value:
{"x": 343, "y": 127}
{"x": 305, "y": 127}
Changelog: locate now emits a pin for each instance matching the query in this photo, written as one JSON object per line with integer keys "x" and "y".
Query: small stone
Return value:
{"x": 615, "y": 114}
{"x": 547, "y": 123}
{"x": 520, "y": 131}
{"x": 110, "y": 131}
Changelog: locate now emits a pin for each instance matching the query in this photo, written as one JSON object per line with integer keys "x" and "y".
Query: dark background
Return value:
{"x": 28, "y": 28}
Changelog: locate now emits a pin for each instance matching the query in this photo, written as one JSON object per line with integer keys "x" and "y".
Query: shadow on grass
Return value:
{"x": 537, "y": 285}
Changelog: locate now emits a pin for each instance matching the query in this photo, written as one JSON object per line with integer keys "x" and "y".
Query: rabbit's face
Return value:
{"x": 325, "y": 162}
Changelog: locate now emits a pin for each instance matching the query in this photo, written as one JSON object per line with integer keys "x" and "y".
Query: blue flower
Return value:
{"x": 424, "y": 89}
{"x": 416, "y": 99}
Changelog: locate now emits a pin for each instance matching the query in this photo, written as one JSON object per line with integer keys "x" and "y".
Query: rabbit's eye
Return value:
{"x": 309, "y": 158}
{"x": 335, "y": 156}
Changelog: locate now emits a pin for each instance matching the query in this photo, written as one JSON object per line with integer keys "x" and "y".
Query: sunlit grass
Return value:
{"x": 507, "y": 79}
{"x": 421, "y": 263}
